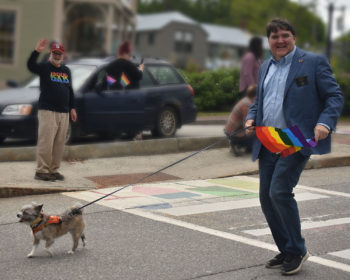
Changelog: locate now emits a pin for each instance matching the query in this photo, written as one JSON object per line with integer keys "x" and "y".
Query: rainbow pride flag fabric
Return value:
{"x": 284, "y": 141}
{"x": 110, "y": 80}
{"x": 124, "y": 80}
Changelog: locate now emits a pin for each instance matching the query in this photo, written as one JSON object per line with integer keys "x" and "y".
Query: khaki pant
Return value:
{"x": 51, "y": 139}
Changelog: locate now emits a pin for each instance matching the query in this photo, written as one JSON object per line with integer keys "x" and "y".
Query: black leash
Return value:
{"x": 77, "y": 210}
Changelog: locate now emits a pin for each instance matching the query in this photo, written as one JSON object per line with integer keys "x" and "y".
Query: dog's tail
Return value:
{"x": 76, "y": 209}
{"x": 72, "y": 211}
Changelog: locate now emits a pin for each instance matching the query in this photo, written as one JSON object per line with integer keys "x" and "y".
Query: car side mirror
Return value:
{"x": 11, "y": 83}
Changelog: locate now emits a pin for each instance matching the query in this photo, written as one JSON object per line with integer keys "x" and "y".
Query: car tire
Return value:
{"x": 166, "y": 123}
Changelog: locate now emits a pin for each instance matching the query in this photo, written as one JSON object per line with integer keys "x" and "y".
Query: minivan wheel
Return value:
{"x": 166, "y": 125}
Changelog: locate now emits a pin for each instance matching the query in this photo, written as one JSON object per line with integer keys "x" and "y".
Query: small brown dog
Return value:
{"x": 50, "y": 227}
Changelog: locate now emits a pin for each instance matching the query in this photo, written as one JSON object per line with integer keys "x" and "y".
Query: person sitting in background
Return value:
{"x": 240, "y": 142}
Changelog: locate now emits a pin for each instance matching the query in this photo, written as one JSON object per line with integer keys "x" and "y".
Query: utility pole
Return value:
{"x": 329, "y": 32}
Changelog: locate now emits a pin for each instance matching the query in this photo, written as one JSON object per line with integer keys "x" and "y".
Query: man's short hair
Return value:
{"x": 279, "y": 23}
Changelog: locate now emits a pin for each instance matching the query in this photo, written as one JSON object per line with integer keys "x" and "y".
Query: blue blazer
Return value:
{"x": 311, "y": 96}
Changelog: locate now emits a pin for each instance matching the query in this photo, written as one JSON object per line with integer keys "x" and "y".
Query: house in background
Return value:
{"x": 171, "y": 36}
{"x": 83, "y": 26}
{"x": 226, "y": 46}
{"x": 179, "y": 39}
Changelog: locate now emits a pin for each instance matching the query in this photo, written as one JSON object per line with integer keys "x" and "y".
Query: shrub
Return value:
{"x": 215, "y": 90}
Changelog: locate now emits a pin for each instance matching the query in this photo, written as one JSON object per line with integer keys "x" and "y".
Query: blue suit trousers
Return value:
{"x": 278, "y": 177}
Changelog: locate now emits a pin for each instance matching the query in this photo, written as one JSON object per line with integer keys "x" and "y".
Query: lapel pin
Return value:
{"x": 300, "y": 60}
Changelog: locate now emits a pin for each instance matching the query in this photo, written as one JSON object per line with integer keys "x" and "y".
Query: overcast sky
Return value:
{"x": 322, "y": 11}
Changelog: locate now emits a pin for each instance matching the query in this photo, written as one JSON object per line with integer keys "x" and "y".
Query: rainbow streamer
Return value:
{"x": 124, "y": 80}
{"x": 110, "y": 80}
{"x": 284, "y": 141}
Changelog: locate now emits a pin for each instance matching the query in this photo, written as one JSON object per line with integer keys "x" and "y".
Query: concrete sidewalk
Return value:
{"x": 17, "y": 177}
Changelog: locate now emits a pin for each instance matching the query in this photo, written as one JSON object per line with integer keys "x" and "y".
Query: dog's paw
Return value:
{"x": 49, "y": 252}
{"x": 70, "y": 252}
{"x": 30, "y": 255}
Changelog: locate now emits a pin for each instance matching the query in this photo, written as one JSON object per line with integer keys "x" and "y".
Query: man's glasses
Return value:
{"x": 57, "y": 53}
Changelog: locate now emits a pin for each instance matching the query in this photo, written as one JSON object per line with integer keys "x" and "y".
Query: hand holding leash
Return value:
{"x": 249, "y": 127}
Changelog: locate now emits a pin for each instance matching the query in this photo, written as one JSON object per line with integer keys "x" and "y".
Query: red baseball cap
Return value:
{"x": 57, "y": 47}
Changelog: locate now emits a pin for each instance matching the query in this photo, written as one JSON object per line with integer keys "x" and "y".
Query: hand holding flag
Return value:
{"x": 110, "y": 80}
{"x": 124, "y": 80}
{"x": 284, "y": 141}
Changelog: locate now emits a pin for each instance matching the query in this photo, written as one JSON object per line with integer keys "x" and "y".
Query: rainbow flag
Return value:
{"x": 124, "y": 80}
{"x": 110, "y": 80}
{"x": 284, "y": 141}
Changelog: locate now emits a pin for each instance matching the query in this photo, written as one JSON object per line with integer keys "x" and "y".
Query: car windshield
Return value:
{"x": 79, "y": 75}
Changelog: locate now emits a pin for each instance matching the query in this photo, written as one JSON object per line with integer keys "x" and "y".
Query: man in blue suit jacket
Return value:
{"x": 294, "y": 88}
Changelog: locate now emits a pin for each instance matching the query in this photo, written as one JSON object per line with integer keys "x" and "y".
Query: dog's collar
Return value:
{"x": 36, "y": 223}
{"x": 37, "y": 226}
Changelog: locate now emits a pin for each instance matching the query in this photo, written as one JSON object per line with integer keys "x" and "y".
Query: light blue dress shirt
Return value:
{"x": 274, "y": 86}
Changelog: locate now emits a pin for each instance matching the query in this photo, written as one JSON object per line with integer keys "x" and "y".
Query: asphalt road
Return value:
{"x": 129, "y": 242}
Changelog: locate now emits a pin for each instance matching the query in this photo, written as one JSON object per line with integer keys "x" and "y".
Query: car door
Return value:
{"x": 170, "y": 90}
{"x": 112, "y": 111}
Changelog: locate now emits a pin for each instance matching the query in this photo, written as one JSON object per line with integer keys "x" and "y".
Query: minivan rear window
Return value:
{"x": 164, "y": 75}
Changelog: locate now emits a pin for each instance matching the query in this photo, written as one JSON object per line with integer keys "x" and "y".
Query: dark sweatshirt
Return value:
{"x": 119, "y": 66}
{"x": 56, "y": 92}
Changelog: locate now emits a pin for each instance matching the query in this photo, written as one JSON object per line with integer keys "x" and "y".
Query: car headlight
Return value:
{"x": 17, "y": 109}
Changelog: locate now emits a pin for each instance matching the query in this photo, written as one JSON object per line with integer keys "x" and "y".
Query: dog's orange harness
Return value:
{"x": 52, "y": 220}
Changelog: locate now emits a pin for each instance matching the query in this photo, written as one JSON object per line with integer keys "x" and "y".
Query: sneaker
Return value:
{"x": 277, "y": 261}
{"x": 44, "y": 177}
{"x": 292, "y": 264}
{"x": 58, "y": 176}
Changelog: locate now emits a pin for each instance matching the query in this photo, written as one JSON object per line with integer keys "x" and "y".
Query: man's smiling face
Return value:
{"x": 281, "y": 43}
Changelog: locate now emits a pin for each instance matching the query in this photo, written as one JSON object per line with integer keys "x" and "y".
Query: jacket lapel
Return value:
{"x": 297, "y": 63}
{"x": 264, "y": 69}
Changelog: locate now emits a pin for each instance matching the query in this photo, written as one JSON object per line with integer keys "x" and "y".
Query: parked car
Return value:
{"x": 162, "y": 104}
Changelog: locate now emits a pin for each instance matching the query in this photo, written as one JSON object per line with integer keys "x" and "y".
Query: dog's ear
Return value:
{"x": 38, "y": 207}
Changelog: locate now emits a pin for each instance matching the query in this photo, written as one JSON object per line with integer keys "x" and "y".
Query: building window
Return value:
{"x": 183, "y": 41}
{"x": 151, "y": 38}
{"x": 7, "y": 36}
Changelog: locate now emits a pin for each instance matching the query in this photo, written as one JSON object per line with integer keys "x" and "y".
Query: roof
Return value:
{"x": 226, "y": 35}
{"x": 219, "y": 34}
{"x": 230, "y": 35}
{"x": 159, "y": 20}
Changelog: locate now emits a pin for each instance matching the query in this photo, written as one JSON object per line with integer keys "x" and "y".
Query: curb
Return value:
{"x": 329, "y": 161}
{"x": 6, "y": 192}
{"x": 119, "y": 149}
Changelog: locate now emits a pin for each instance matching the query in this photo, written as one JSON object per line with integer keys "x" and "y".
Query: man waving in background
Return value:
{"x": 56, "y": 101}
